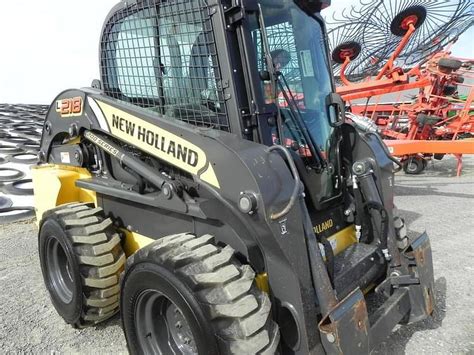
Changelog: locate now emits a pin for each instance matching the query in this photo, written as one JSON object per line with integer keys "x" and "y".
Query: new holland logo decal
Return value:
{"x": 159, "y": 142}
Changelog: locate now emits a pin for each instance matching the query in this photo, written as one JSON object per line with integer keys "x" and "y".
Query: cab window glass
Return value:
{"x": 162, "y": 56}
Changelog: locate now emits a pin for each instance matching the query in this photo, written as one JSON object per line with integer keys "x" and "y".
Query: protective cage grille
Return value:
{"x": 162, "y": 56}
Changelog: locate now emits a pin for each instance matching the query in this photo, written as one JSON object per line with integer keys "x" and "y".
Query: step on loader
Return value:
{"x": 208, "y": 188}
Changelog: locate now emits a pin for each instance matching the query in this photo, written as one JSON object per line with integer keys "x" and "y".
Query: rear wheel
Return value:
{"x": 447, "y": 65}
{"x": 414, "y": 165}
{"x": 81, "y": 258}
{"x": 449, "y": 90}
{"x": 184, "y": 295}
{"x": 459, "y": 79}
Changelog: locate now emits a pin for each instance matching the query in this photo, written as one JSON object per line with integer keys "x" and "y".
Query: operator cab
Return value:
{"x": 173, "y": 59}
{"x": 303, "y": 84}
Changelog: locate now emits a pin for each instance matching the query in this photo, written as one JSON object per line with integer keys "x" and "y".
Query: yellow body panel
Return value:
{"x": 262, "y": 282}
{"x": 343, "y": 239}
{"x": 134, "y": 241}
{"x": 55, "y": 185}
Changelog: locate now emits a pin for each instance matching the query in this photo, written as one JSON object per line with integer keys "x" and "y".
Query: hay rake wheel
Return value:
{"x": 379, "y": 27}
{"x": 366, "y": 56}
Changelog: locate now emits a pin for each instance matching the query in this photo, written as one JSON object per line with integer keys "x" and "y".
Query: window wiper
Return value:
{"x": 298, "y": 118}
{"x": 275, "y": 82}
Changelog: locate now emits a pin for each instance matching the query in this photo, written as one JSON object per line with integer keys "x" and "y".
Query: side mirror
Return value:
{"x": 97, "y": 84}
{"x": 336, "y": 112}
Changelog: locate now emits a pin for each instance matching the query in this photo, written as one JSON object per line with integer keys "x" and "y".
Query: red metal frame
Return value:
{"x": 413, "y": 138}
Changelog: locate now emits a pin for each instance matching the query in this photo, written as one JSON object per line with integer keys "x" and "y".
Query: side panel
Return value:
{"x": 158, "y": 142}
{"x": 134, "y": 241}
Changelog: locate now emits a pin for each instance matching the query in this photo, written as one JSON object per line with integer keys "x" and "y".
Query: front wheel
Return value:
{"x": 184, "y": 295}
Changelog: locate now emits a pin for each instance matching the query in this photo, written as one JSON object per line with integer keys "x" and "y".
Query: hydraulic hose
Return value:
{"x": 364, "y": 180}
{"x": 384, "y": 147}
{"x": 296, "y": 188}
{"x": 383, "y": 237}
{"x": 360, "y": 212}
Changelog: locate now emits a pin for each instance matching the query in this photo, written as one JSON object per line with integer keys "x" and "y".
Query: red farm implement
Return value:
{"x": 413, "y": 57}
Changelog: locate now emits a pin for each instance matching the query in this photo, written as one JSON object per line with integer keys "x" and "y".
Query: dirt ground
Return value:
{"x": 436, "y": 201}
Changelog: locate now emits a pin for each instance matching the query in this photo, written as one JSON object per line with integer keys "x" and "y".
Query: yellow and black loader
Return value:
{"x": 208, "y": 189}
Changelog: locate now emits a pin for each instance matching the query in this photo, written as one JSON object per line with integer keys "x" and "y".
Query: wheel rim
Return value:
{"x": 412, "y": 165}
{"x": 59, "y": 270}
{"x": 161, "y": 326}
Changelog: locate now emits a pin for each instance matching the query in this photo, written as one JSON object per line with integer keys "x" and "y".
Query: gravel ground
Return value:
{"x": 436, "y": 201}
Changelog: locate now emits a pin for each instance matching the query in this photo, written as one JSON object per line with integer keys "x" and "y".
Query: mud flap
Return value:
{"x": 421, "y": 266}
{"x": 345, "y": 330}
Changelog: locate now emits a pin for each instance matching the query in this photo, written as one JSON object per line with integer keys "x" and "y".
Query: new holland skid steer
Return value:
{"x": 208, "y": 188}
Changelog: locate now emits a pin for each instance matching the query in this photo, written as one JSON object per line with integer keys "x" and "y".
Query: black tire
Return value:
{"x": 5, "y": 202}
{"x": 425, "y": 162}
{"x": 213, "y": 296}
{"x": 459, "y": 79}
{"x": 8, "y": 149}
{"x": 29, "y": 147}
{"x": 20, "y": 213}
{"x": 17, "y": 175}
{"x": 13, "y": 189}
{"x": 401, "y": 232}
{"x": 81, "y": 259}
{"x": 414, "y": 165}
{"x": 449, "y": 90}
{"x": 448, "y": 65}
{"x": 397, "y": 27}
{"x": 424, "y": 119}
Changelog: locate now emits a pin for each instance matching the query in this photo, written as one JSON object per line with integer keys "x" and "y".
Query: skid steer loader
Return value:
{"x": 207, "y": 187}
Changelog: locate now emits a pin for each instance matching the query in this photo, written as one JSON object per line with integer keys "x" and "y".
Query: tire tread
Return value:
{"x": 99, "y": 255}
{"x": 239, "y": 312}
